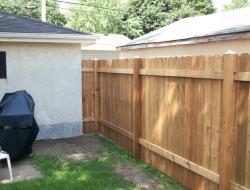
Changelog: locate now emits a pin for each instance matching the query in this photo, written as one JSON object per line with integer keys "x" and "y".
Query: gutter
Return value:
{"x": 47, "y": 37}
{"x": 191, "y": 41}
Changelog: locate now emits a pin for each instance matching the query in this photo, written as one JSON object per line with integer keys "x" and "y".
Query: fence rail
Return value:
{"x": 187, "y": 116}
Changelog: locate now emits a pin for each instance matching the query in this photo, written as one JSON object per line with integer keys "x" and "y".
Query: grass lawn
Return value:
{"x": 88, "y": 175}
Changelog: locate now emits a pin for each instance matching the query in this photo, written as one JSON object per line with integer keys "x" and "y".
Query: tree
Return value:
{"x": 99, "y": 16}
{"x": 236, "y": 4}
{"x": 133, "y": 18}
{"x": 155, "y": 14}
{"x": 19, "y": 7}
{"x": 202, "y": 7}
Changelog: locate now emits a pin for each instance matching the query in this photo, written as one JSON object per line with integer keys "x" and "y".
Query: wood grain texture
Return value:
{"x": 194, "y": 115}
{"x": 241, "y": 173}
{"x": 137, "y": 108}
{"x": 182, "y": 73}
{"x": 115, "y": 71}
{"x": 228, "y": 129}
{"x": 181, "y": 161}
{"x": 242, "y": 76}
{"x": 236, "y": 186}
{"x": 88, "y": 97}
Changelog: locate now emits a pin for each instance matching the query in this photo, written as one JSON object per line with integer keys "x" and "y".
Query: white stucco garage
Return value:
{"x": 45, "y": 60}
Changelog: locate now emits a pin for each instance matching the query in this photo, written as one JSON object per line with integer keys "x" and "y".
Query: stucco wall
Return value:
{"x": 210, "y": 48}
{"x": 94, "y": 55}
{"x": 51, "y": 73}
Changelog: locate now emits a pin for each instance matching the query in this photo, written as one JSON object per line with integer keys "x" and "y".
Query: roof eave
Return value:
{"x": 191, "y": 41}
{"x": 49, "y": 38}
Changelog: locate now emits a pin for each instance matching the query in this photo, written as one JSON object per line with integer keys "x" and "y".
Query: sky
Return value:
{"x": 219, "y": 4}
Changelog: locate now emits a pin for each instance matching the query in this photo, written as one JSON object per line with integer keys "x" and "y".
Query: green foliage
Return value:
{"x": 138, "y": 16}
{"x": 54, "y": 16}
{"x": 202, "y": 7}
{"x": 19, "y": 7}
{"x": 98, "y": 20}
{"x": 155, "y": 14}
{"x": 236, "y": 4}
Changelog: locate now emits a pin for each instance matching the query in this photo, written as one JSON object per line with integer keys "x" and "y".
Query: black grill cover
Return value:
{"x": 18, "y": 127}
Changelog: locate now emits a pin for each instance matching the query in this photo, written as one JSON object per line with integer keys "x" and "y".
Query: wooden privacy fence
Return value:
{"x": 187, "y": 116}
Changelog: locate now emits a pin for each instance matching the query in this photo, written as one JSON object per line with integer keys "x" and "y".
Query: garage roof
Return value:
{"x": 19, "y": 27}
{"x": 211, "y": 27}
{"x": 107, "y": 42}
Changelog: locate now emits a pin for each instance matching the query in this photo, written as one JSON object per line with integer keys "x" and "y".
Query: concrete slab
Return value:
{"x": 22, "y": 170}
{"x": 76, "y": 148}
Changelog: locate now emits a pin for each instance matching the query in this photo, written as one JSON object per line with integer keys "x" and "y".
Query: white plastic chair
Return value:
{"x": 4, "y": 155}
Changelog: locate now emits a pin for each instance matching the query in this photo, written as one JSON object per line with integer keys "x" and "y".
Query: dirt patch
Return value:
{"x": 130, "y": 173}
{"x": 78, "y": 148}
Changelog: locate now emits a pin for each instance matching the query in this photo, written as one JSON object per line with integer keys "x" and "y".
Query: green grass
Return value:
{"x": 94, "y": 174}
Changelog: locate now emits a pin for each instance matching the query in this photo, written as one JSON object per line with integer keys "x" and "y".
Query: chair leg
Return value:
{"x": 9, "y": 166}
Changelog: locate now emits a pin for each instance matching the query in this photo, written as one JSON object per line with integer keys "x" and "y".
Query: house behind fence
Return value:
{"x": 201, "y": 35}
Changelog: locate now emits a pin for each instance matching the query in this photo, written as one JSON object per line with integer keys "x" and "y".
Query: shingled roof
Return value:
{"x": 19, "y": 26}
{"x": 213, "y": 27}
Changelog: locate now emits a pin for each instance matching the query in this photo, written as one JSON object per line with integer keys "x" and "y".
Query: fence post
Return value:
{"x": 96, "y": 96}
{"x": 136, "y": 107}
{"x": 228, "y": 128}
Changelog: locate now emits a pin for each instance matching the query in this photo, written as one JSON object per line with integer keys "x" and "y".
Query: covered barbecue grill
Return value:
{"x": 18, "y": 127}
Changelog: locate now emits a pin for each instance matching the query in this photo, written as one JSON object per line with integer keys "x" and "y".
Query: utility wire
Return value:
{"x": 75, "y": 3}
{"x": 94, "y": 6}
{"x": 64, "y": 8}
{"x": 82, "y": 11}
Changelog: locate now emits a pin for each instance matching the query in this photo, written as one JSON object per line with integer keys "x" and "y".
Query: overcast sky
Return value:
{"x": 219, "y": 4}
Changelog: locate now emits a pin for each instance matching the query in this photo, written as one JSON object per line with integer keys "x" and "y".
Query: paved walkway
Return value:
{"x": 22, "y": 170}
